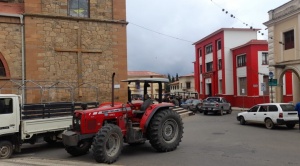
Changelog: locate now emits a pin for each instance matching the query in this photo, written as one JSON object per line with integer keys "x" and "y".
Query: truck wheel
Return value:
{"x": 6, "y": 149}
{"x": 81, "y": 149}
{"x": 221, "y": 112}
{"x": 107, "y": 144}
{"x": 205, "y": 112}
{"x": 229, "y": 111}
{"x": 165, "y": 131}
{"x": 198, "y": 108}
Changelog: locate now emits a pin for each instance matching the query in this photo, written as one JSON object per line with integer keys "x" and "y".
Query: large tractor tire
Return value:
{"x": 108, "y": 144}
{"x": 165, "y": 130}
{"x": 81, "y": 149}
{"x": 6, "y": 149}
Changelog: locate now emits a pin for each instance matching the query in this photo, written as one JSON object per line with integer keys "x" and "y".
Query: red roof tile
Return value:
{"x": 251, "y": 42}
{"x": 188, "y": 75}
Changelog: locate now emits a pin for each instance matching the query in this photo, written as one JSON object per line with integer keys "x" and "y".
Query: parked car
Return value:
{"x": 193, "y": 105}
{"x": 216, "y": 105}
{"x": 270, "y": 114}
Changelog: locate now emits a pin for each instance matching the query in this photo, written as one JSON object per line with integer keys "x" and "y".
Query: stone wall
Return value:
{"x": 49, "y": 31}
{"x": 99, "y": 9}
{"x": 10, "y": 47}
{"x": 46, "y": 38}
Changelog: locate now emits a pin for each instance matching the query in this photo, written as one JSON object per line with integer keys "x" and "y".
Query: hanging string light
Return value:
{"x": 232, "y": 16}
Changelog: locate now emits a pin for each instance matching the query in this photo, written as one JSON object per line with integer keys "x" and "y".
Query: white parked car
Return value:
{"x": 270, "y": 114}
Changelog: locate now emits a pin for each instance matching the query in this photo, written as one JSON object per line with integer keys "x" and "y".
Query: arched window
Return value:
{"x": 2, "y": 69}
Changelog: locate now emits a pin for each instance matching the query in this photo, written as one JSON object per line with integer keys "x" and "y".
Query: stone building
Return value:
{"x": 283, "y": 34}
{"x": 73, "y": 43}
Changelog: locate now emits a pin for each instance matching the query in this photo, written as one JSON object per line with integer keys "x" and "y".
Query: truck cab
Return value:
{"x": 9, "y": 114}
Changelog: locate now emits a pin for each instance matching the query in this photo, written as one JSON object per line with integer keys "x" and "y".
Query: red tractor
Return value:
{"x": 106, "y": 128}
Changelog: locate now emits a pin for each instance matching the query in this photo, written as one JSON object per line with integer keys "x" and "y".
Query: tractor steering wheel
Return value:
{"x": 131, "y": 105}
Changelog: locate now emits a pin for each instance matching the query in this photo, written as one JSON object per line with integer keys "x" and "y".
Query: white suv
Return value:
{"x": 270, "y": 114}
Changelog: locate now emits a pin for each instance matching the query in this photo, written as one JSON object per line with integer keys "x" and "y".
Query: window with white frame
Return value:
{"x": 220, "y": 87}
{"x": 220, "y": 64}
{"x": 241, "y": 60}
{"x": 208, "y": 49}
{"x": 243, "y": 85}
{"x": 265, "y": 58}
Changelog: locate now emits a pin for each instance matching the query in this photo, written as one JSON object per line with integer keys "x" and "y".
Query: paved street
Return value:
{"x": 208, "y": 141}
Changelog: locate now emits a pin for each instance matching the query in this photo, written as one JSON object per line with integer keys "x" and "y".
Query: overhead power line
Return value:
{"x": 160, "y": 33}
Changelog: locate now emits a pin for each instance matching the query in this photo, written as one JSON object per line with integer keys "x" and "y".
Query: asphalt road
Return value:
{"x": 208, "y": 141}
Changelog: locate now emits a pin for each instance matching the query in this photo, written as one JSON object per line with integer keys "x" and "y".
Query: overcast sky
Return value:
{"x": 161, "y": 33}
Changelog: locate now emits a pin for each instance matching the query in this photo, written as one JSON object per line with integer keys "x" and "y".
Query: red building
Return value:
{"x": 251, "y": 73}
{"x": 231, "y": 63}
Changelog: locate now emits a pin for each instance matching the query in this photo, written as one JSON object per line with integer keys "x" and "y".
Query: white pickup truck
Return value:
{"x": 25, "y": 123}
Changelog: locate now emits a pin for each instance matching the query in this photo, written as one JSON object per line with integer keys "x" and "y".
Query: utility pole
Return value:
{"x": 271, "y": 75}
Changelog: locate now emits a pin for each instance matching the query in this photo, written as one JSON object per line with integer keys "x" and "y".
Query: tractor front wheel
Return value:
{"x": 165, "y": 130}
{"x": 107, "y": 144}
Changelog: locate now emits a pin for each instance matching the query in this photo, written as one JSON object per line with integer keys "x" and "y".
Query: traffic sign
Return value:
{"x": 272, "y": 82}
{"x": 271, "y": 74}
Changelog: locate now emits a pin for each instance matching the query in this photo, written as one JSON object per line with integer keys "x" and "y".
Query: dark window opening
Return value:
{"x": 288, "y": 39}
{"x": 209, "y": 67}
{"x": 2, "y": 70}
{"x": 6, "y": 106}
{"x": 265, "y": 58}
{"x": 219, "y": 44}
{"x": 220, "y": 64}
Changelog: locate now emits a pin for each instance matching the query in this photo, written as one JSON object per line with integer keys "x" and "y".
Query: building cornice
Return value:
{"x": 123, "y": 22}
{"x": 283, "y": 12}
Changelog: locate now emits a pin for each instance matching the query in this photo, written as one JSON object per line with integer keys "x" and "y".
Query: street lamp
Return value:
{"x": 271, "y": 75}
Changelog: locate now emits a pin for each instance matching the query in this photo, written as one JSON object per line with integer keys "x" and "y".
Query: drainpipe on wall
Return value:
{"x": 23, "y": 49}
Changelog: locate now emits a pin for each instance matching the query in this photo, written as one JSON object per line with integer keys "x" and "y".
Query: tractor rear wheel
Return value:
{"x": 81, "y": 149}
{"x": 165, "y": 130}
{"x": 107, "y": 144}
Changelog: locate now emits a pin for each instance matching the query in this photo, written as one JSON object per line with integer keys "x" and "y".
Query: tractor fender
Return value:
{"x": 150, "y": 113}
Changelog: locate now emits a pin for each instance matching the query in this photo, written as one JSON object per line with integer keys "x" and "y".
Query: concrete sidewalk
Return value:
{"x": 239, "y": 109}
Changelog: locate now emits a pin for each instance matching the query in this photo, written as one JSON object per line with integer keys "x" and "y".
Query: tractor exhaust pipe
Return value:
{"x": 113, "y": 90}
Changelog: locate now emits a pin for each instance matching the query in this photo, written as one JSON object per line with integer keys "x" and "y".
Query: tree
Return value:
{"x": 177, "y": 78}
{"x": 169, "y": 77}
{"x": 173, "y": 79}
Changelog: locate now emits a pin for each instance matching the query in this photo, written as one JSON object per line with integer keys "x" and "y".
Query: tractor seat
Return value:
{"x": 144, "y": 106}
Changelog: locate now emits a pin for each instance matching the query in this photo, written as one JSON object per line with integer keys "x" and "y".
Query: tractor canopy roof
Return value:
{"x": 149, "y": 80}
